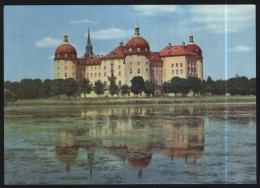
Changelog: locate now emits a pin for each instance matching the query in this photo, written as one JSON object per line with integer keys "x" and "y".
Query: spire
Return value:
{"x": 89, "y": 48}
{"x": 137, "y": 33}
{"x": 191, "y": 39}
{"x": 65, "y": 37}
{"x": 88, "y": 35}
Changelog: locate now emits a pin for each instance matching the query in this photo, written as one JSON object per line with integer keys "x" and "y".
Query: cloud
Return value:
{"x": 111, "y": 33}
{"x": 212, "y": 17}
{"x": 51, "y": 57}
{"x": 48, "y": 42}
{"x": 241, "y": 48}
{"x": 82, "y": 21}
{"x": 153, "y": 10}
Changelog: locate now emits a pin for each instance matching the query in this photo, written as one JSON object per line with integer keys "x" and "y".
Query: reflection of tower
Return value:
{"x": 139, "y": 157}
{"x": 90, "y": 156}
{"x": 184, "y": 139}
{"x": 66, "y": 149}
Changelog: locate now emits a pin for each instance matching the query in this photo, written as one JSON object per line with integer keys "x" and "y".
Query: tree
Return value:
{"x": 238, "y": 85}
{"x": 30, "y": 89}
{"x": 137, "y": 85}
{"x": 124, "y": 89}
{"x": 208, "y": 86}
{"x": 99, "y": 88}
{"x": 166, "y": 87}
{"x": 194, "y": 84}
{"x": 179, "y": 85}
{"x": 220, "y": 88}
{"x": 45, "y": 90}
{"x": 84, "y": 86}
{"x": 57, "y": 87}
{"x": 9, "y": 96}
{"x": 252, "y": 86}
{"x": 149, "y": 88}
{"x": 113, "y": 88}
{"x": 14, "y": 87}
{"x": 70, "y": 87}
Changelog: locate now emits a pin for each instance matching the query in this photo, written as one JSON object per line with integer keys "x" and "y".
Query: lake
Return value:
{"x": 148, "y": 144}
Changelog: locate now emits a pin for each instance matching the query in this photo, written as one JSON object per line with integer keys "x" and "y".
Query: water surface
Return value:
{"x": 130, "y": 144}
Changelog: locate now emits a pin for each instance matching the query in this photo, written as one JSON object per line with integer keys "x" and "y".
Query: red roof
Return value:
{"x": 155, "y": 57}
{"x": 119, "y": 53}
{"x": 179, "y": 50}
{"x": 194, "y": 48}
{"x": 93, "y": 61}
{"x": 67, "y": 49}
{"x": 135, "y": 43}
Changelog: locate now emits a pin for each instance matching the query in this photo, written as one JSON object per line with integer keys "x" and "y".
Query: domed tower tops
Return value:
{"x": 191, "y": 39}
{"x": 137, "y": 33}
{"x": 137, "y": 44}
{"x": 89, "y": 48}
{"x": 65, "y": 50}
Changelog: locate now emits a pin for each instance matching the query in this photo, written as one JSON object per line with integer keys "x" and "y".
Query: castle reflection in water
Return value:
{"x": 133, "y": 135}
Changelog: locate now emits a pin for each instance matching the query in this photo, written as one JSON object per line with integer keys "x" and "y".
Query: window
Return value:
{"x": 91, "y": 74}
{"x": 119, "y": 74}
{"x": 172, "y": 72}
{"x": 181, "y": 71}
{"x": 181, "y": 65}
{"x": 130, "y": 49}
{"x": 130, "y": 71}
{"x": 130, "y": 63}
{"x": 90, "y": 68}
{"x": 65, "y": 75}
{"x": 99, "y": 74}
{"x": 104, "y": 67}
{"x": 146, "y": 70}
{"x": 73, "y": 74}
{"x": 58, "y": 75}
{"x": 138, "y": 49}
{"x": 87, "y": 75}
{"x": 105, "y": 74}
{"x": 119, "y": 82}
{"x": 95, "y": 74}
{"x": 156, "y": 72}
{"x": 172, "y": 65}
{"x": 138, "y": 63}
{"x": 146, "y": 63}
{"x": 105, "y": 83}
{"x": 58, "y": 68}
{"x": 138, "y": 71}
{"x": 95, "y": 68}
{"x": 65, "y": 67}
{"x": 176, "y": 64}
{"x": 119, "y": 67}
{"x": 176, "y": 71}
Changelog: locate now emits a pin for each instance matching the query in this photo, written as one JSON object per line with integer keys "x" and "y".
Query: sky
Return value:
{"x": 225, "y": 33}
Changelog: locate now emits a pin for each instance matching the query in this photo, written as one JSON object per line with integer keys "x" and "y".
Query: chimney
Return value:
{"x": 183, "y": 43}
{"x": 170, "y": 44}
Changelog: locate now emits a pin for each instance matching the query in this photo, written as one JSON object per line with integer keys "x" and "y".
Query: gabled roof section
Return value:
{"x": 155, "y": 57}
{"x": 176, "y": 51}
{"x": 119, "y": 52}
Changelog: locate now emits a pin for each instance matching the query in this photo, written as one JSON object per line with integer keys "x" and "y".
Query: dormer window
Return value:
{"x": 138, "y": 49}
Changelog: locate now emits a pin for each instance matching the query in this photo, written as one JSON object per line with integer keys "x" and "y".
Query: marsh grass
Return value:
{"x": 133, "y": 101}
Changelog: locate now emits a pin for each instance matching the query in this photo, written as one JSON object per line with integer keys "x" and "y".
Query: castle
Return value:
{"x": 128, "y": 61}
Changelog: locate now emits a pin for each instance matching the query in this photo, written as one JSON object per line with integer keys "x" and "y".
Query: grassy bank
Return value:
{"x": 133, "y": 101}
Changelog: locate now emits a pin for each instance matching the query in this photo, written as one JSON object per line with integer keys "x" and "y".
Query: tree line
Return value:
{"x": 36, "y": 88}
